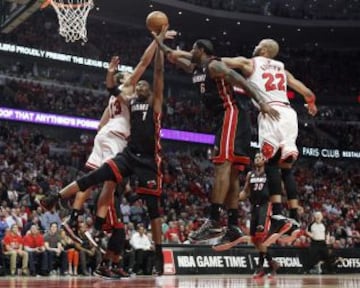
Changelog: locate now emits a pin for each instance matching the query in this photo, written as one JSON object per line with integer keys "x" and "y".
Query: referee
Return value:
{"x": 318, "y": 250}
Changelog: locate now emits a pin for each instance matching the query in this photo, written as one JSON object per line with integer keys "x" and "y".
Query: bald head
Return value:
{"x": 268, "y": 48}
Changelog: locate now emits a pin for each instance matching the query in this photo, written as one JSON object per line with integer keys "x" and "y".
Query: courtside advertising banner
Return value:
{"x": 192, "y": 259}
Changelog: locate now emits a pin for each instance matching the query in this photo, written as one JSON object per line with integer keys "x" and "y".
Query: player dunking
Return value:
{"x": 214, "y": 81}
{"x": 277, "y": 139}
{"x": 114, "y": 130}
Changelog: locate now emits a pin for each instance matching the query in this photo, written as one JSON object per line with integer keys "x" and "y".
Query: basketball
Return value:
{"x": 155, "y": 20}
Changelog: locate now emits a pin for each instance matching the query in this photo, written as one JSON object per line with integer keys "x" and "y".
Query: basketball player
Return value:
{"x": 257, "y": 190}
{"x": 277, "y": 139}
{"x": 232, "y": 143}
{"x": 141, "y": 157}
{"x": 110, "y": 267}
{"x": 114, "y": 129}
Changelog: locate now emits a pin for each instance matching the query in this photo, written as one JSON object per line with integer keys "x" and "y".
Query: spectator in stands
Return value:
{"x": 172, "y": 234}
{"x": 125, "y": 210}
{"x": 33, "y": 220}
{"x": 143, "y": 253}
{"x": 14, "y": 247}
{"x": 34, "y": 244}
{"x": 49, "y": 217}
{"x": 3, "y": 225}
{"x": 11, "y": 218}
{"x": 56, "y": 253}
{"x": 71, "y": 252}
{"x": 90, "y": 257}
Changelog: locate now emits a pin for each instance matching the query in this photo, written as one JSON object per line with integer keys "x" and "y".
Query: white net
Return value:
{"x": 72, "y": 16}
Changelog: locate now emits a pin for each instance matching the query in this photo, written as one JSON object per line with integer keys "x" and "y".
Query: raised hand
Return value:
{"x": 114, "y": 63}
{"x": 171, "y": 34}
{"x": 159, "y": 38}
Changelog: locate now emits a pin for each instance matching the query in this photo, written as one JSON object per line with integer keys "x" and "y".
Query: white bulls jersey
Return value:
{"x": 119, "y": 122}
{"x": 112, "y": 137}
{"x": 269, "y": 78}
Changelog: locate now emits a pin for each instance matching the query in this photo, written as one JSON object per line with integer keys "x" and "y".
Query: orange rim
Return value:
{"x": 45, "y": 4}
{"x": 61, "y": 5}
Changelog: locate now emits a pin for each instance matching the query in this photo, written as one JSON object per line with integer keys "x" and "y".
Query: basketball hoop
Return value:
{"x": 72, "y": 17}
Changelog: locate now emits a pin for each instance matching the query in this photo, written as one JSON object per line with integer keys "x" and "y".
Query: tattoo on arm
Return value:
{"x": 236, "y": 79}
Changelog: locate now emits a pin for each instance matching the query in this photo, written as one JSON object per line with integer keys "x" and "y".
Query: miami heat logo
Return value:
{"x": 151, "y": 184}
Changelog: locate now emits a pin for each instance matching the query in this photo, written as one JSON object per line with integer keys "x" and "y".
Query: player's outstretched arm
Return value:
{"x": 113, "y": 65}
{"x": 300, "y": 87}
{"x": 242, "y": 63}
{"x": 219, "y": 69}
{"x": 179, "y": 57}
{"x": 146, "y": 59}
{"x": 158, "y": 85}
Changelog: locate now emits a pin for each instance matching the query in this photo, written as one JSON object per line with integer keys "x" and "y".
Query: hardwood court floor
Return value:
{"x": 186, "y": 281}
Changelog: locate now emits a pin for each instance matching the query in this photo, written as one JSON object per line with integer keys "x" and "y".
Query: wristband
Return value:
{"x": 310, "y": 100}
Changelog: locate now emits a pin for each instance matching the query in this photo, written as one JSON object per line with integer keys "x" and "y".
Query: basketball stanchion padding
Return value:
{"x": 72, "y": 16}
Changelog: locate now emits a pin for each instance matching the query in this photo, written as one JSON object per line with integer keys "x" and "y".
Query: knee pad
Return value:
{"x": 152, "y": 203}
{"x": 117, "y": 241}
{"x": 289, "y": 183}
{"x": 274, "y": 179}
{"x": 97, "y": 176}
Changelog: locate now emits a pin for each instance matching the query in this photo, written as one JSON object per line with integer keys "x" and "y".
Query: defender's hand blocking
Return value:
{"x": 171, "y": 34}
{"x": 267, "y": 109}
{"x": 159, "y": 38}
{"x": 114, "y": 63}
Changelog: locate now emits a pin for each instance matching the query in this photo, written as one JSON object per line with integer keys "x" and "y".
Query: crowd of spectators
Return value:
{"x": 35, "y": 161}
{"x": 334, "y": 126}
{"x": 301, "y": 9}
{"x": 29, "y": 169}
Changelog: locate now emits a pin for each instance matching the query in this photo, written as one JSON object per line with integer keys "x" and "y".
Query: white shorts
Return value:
{"x": 106, "y": 146}
{"x": 279, "y": 134}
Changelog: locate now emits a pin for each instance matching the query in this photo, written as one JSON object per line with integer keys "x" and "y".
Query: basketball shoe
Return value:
{"x": 279, "y": 226}
{"x": 231, "y": 238}
{"x": 209, "y": 229}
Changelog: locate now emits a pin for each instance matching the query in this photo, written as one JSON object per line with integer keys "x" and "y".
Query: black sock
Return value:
{"x": 99, "y": 223}
{"x": 104, "y": 263}
{"x": 276, "y": 208}
{"x": 74, "y": 215}
{"x": 215, "y": 212}
{"x": 268, "y": 257}
{"x": 233, "y": 215}
{"x": 294, "y": 214}
{"x": 261, "y": 259}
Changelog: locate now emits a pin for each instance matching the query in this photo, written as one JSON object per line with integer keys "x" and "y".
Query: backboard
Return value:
{"x": 14, "y": 12}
